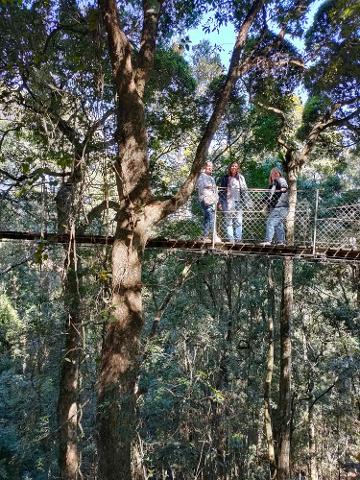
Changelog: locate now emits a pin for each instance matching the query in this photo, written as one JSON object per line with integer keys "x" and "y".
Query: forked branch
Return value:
{"x": 152, "y": 11}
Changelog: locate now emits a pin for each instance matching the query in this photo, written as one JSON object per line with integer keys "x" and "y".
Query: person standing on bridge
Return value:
{"x": 208, "y": 198}
{"x": 233, "y": 196}
{"x": 278, "y": 205}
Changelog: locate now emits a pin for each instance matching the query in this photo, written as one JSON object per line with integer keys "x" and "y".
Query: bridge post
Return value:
{"x": 214, "y": 228}
{"x": 315, "y": 219}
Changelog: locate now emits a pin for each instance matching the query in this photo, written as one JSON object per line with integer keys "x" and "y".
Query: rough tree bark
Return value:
{"x": 138, "y": 211}
{"x": 67, "y": 406}
{"x": 294, "y": 159}
{"x": 269, "y": 373}
{"x": 219, "y": 412}
{"x": 356, "y": 285}
{"x": 68, "y": 213}
{"x": 313, "y": 470}
{"x": 283, "y": 465}
{"x": 312, "y": 463}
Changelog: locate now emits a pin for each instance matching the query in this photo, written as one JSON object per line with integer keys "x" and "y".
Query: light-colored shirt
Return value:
{"x": 205, "y": 185}
{"x": 237, "y": 191}
{"x": 234, "y": 189}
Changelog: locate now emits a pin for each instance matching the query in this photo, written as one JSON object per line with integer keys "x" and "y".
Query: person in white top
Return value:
{"x": 208, "y": 198}
{"x": 233, "y": 194}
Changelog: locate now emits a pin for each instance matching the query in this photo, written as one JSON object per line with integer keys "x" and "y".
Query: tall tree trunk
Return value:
{"x": 292, "y": 182}
{"x": 312, "y": 444}
{"x": 120, "y": 358}
{"x": 356, "y": 285}
{"x": 285, "y": 371}
{"x": 269, "y": 373}
{"x": 138, "y": 211}
{"x": 220, "y": 411}
{"x": 67, "y": 407}
{"x": 312, "y": 464}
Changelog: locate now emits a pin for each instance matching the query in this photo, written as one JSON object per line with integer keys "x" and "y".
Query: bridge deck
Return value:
{"x": 298, "y": 251}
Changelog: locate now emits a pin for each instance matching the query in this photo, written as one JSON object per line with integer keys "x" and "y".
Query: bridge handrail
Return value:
{"x": 339, "y": 228}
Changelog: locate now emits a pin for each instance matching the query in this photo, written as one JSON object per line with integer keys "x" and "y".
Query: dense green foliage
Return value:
{"x": 200, "y": 392}
{"x": 201, "y": 382}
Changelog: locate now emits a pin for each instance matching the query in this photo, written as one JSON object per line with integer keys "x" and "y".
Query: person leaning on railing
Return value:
{"x": 278, "y": 205}
{"x": 233, "y": 195}
{"x": 208, "y": 198}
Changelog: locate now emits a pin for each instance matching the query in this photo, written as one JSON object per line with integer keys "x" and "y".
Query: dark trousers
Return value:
{"x": 209, "y": 215}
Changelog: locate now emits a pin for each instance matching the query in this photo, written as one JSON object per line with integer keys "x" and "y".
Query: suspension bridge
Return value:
{"x": 326, "y": 226}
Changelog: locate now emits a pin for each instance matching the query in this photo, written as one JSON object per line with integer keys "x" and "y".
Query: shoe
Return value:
{"x": 217, "y": 239}
{"x": 281, "y": 244}
{"x": 204, "y": 239}
{"x": 265, "y": 244}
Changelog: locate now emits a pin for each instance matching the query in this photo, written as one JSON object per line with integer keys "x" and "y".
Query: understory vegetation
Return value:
{"x": 122, "y": 362}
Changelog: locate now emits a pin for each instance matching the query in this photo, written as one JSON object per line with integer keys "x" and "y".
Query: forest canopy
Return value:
{"x": 122, "y": 362}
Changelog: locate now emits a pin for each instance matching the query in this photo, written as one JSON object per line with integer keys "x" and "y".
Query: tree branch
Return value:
{"x": 327, "y": 121}
{"x": 15, "y": 265}
{"x": 119, "y": 47}
{"x": 6, "y": 132}
{"x": 185, "y": 190}
{"x": 280, "y": 113}
{"x": 343, "y": 120}
{"x": 275, "y": 110}
{"x": 66, "y": 28}
{"x": 98, "y": 123}
{"x": 69, "y": 132}
{"x": 151, "y": 10}
{"x": 322, "y": 394}
{"x": 34, "y": 175}
{"x": 169, "y": 296}
{"x": 96, "y": 212}
{"x": 218, "y": 155}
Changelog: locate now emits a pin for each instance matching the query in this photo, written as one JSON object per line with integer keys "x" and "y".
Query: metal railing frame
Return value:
{"x": 321, "y": 218}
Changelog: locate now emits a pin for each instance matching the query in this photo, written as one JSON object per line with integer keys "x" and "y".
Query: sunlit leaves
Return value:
{"x": 335, "y": 40}
{"x": 314, "y": 109}
{"x": 10, "y": 324}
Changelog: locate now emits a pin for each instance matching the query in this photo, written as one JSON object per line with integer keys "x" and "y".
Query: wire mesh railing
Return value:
{"x": 322, "y": 218}
{"x": 245, "y": 222}
{"x": 338, "y": 225}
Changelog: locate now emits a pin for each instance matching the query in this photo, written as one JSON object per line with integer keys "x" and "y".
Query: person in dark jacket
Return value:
{"x": 232, "y": 195}
{"x": 278, "y": 203}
